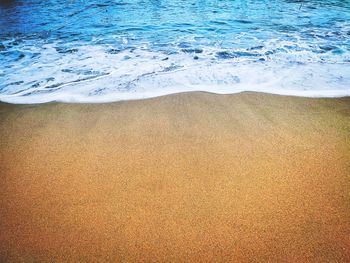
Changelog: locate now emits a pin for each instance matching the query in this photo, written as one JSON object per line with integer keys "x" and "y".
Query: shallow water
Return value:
{"x": 95, "y": 51}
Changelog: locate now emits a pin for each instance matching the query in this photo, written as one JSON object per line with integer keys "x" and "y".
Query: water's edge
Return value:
{"x": 321, "y": 95}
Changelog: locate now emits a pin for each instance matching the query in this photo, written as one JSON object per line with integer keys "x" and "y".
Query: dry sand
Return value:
{"x": 188, "y": 177}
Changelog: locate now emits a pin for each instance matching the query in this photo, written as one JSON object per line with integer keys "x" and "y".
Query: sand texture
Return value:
{"x": 192, "y": 177}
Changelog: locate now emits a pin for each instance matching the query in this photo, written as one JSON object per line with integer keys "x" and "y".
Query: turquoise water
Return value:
{"x": 96, "y": 51}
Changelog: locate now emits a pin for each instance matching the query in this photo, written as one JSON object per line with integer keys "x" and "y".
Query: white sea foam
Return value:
{"x": 98, "y": 74}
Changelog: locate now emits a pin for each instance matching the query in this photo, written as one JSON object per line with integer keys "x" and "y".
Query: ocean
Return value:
{"x": 111, "y": 50}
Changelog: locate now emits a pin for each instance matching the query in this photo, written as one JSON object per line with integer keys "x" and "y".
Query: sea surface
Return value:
{"x": 110, "y": 50}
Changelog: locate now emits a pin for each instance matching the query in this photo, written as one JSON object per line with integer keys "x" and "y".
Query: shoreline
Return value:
{"x": 326, "y": 94}
{"x": 190, "y": 176}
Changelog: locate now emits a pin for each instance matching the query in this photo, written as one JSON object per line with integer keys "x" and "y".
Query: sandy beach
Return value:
{"x": 192, "y": 177}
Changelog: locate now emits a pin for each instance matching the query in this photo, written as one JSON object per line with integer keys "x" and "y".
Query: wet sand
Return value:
{"x": 192, "y": 177}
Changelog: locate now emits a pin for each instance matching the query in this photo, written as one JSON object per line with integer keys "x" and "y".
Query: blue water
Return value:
{"x": 95, "y": 51}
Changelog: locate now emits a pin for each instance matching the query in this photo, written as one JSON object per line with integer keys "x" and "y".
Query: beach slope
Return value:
{"x": 186, "y": 177}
